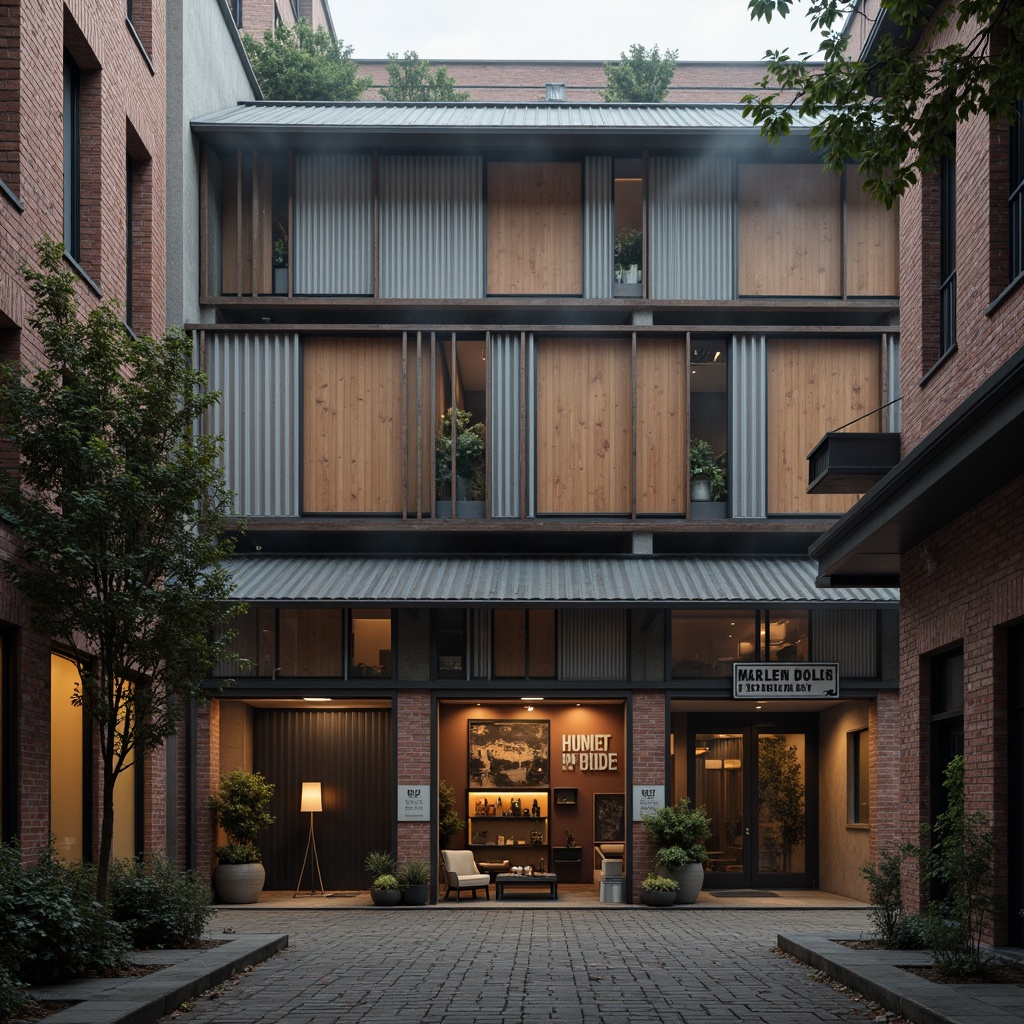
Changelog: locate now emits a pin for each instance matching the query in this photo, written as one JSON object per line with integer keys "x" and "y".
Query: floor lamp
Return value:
{"x": 312, "y": 801}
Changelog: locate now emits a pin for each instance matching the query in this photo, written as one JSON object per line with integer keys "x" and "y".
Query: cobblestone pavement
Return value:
{"x": 526, "y": 966}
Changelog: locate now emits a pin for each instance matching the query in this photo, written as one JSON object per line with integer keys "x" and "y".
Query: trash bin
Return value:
{"x": 612, "y": 890}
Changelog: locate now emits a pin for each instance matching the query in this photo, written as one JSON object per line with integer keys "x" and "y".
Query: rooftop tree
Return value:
{"x": 411, "y": 80}
{"x": 296, "y": 62}
{"x": 118, "y": 505}
{"x": 893, "y": 113}
{"x": 641, "y": 77}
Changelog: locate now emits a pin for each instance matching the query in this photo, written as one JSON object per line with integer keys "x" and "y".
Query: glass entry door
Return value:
{"x": 758, "y": 785}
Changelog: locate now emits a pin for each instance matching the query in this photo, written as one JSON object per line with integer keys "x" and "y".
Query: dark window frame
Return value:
{"x": 72, "y": 112}
{"x": 858, "y": 803}
{"x": 947, "y": 254}
{"x": 1016, "y": 193}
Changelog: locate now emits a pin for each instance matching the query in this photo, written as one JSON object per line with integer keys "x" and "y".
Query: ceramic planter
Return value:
{"x": 416, "y": 895}
{"x": 386, "y": 897}
{"x": 689, "y": 878}
{"x": 657, "y": 897}
{"x": 239, "y": 883}
{"x": 700, "y": 489}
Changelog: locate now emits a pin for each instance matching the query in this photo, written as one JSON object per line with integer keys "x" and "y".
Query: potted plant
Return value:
{"x": 281, "y": 266}
{"x": 679, "y": 832}
{"x": 385, "y": 891}
{"x": 414, "y": 882}
{"x": 241, "y": 810}
{"x": 448, "y": 820}
{"x": 658, "y": 891}
{"x": 470, "y": 457}
{"x": 629, "y": 255}
{"x": 707, "y": 477}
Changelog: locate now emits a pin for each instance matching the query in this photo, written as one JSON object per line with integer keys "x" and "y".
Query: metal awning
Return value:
{"x": 581, "y": 581}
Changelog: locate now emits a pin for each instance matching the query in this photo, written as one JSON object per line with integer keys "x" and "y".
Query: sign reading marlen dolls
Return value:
{"x": 589, "y": 752}
{"x": 414, "y": 803}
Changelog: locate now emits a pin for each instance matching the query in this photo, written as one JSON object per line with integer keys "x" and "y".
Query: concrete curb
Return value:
{"x": 876, "y": 973}
{"x": 188, "y": 973}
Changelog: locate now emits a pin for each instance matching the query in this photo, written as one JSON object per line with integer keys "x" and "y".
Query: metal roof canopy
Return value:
{"x": 580, "y": 581}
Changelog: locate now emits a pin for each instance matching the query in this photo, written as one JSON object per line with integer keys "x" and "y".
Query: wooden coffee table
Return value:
{"x": 507, "y": 880}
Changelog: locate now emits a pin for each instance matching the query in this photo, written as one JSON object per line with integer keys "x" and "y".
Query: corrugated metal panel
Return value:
{"x": 592, "y": 644}
{"x": 531, "y": 425}
{"x": 848, "y": 636}
{"x": 481, "y": 620}
{"x": 693, "y": 228}
{"x": 350, "y": 752}
{"x": 489, "y": 580}
{"x": 503, "y": 426}
{"x": 598, "y": 228}
{"x": 748, "y": 418}
{"x": 891, "y": 354}
{"x": 258, "y": 377}
{"x": 431, "y": 227}
{"x": 333, "y": 248}
{"x": 556, "y": 117}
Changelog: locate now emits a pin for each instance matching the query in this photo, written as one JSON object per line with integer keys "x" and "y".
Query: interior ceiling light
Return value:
{"x": 316, "y": 698}
{"x": 531, "y": 698}
{"x": 529, "y": 707}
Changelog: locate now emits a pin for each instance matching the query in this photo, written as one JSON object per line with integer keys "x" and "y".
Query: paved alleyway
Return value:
{"x": 525, "y": 966}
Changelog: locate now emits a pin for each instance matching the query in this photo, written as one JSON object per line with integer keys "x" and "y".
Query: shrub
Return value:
{"x": 386, "y": 882}
{"x": 659, "y": 883}
{"x": 885, "y": 890}
{"x": 161, "y": 906}
{"x": 56, "y": 929}
{"x": 12, "y": 991}
{"x": 379, "y": 862}
{"x": 241, "y": 810}
{"x": 414, "y": 872}
{"x": 680, "y": 825}
{"x": 675, "y": 858}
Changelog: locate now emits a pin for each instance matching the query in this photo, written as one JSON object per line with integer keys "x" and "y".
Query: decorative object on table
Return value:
{"x": 535, "y": 809}
{"x": 500, "y": 811}
{"x": 509, "y": 754}
{"x": 570, "y": 838}
{"x": 609, "y": 818}
{"x": 516, "y": 807}
{"x": 536, "y": 837}
{"x": 679, "y": 832}
{"x": 241, "y": 810}
{"x": 707, "y": 477}
{"x": 414, "y": 881}
{"x": 658, "y": 891}
{"x": 312, "y": 803}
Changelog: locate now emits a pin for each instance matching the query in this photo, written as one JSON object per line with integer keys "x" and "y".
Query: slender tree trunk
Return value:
{"x": 106, "y": 834}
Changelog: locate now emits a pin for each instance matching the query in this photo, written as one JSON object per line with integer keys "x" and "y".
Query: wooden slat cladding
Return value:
{"x": 662, "y": 485}
{"x": 310, "y": 642}
{"x": 814, "y": 387}
{"x": 246, "y": 225}
{"x": 534, "y": 229}
{"x": 352, "y": 425}
{"x": 790, "y": 237}
{"x": 509, "y": 643}
{"x": 872, "y": 242}
{"x": 584, "y": 426}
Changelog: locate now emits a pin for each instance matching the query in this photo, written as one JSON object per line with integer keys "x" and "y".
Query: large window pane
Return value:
{"x": 782, "y": 822}
{"x": 786, "y": 636}
{"x": 66, "y": 753}
{"x": 706, "y": 643}
{"x": 370, "y": 644}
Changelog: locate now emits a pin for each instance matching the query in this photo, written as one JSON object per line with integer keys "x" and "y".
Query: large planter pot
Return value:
{"x": 386, "y": 897}
{"x": 657, "y": 897}
{"x": 416, "y": 895}
{"x": 239, "y": 883}
{"x": 689, "y": 878}
{"x": 700, "y": 489}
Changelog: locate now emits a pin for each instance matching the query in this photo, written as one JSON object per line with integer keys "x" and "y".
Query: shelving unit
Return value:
{"x": 499, "y": 832}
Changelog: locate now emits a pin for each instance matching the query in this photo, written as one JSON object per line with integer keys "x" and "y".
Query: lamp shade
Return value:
{"x": 311, "y": 799}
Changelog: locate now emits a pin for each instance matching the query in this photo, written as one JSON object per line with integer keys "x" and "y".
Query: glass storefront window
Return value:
{"x": 858, "y": 805}
{"x": 66, "y": 760}
{"x": 370, "y": 644}
{"x": 786, "y": 636}
{"x": 719, "y": 790}
{"x": 782, "y": 815}
{"x": 706, "y": 643}
{"x": 450, "y": 628}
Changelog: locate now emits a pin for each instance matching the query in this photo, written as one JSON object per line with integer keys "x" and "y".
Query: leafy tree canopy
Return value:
{"x": 300, "y": 63}
{"x": 411, "y": 80}
{"x": 118, "y": 505}
{"x": 894, "y": 113}
{"x": 641, "y": 77}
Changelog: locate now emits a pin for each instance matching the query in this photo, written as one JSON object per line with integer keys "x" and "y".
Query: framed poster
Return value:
{"x": 609, "y": 818}
{"x": 509, "y": 754}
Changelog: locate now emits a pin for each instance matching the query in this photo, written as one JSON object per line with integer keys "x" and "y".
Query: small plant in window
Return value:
{"x": 281, "y": 254}
{"x": 705, "y": 465}
{"x": 629, "y": 255}
{"x": 470, "y": 455}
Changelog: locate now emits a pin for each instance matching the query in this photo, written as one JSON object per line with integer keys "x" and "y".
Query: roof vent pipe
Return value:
{"x": 555, "y": 92}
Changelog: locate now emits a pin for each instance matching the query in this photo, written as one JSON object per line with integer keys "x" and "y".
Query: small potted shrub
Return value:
{"x": 470, "y": 457}
{"x": 679, "y": 832}
{"x": 707, "y": 478}
{"x": 385, "y": 891}
{"x": 414, "y": 881}
{"x": 241, "y": 810}
{"x": 658, "y": 891}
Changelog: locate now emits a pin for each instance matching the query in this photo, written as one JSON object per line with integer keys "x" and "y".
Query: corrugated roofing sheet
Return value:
{"x": 481, "y": 580}
{"x": 382, "y": 117}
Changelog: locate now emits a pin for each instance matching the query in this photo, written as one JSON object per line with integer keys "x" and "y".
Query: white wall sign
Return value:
{"x": 647, "y": 799}
{"x": 791, "y": 681}
{"x": 414, "y": 803}
{"x": 588, "y": 752}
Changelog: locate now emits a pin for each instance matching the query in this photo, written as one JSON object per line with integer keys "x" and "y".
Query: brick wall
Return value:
{"x": 412, "y": 712}
{"x": 650, "y": 727}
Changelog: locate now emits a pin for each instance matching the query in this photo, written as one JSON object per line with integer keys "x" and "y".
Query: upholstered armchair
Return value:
{"x": 461, "y": 873}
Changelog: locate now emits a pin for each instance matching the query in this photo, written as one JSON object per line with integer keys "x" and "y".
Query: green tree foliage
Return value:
{"x": 411, "y": 80}
{"x": 119, "y": 506}
{"x": 641, "y": 77}
{"x": 300, "y": 63}
{"x": 780, "y": 796}
{"x": 895, "y": 113}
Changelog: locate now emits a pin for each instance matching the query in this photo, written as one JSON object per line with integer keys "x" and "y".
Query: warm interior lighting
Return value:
{"x": 316, "y": 698}
{"x": 531, "y": 699}
{"x": 713, "y": 763}
{"x": 732, "y": 762}
{"x": 312, "y": 800}
{"x": 700, "y": 751}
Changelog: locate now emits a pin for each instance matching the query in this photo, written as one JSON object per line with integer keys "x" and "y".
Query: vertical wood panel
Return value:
{"x": 262, "y": 225}
{"x": 310, "y": 642}
{"x": 872, "y": 242}
{"x": 534, "y": 229}
{"x": 814, "y": 387}
{"x": 509, "y": 643}
{"x": 230, "y": 201}
{"x": 661, "y": 448}
{"x": 352, "y": 425}
{"x": 789, "y": 230}
{"x": 584, "y": 414}
{"x": 542, "y": 643}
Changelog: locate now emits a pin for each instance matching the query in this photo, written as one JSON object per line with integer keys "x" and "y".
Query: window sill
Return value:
{"x": 858, "y": 826}
{"x": 939, "y": 363}
{"x": 11, "y": 197}
{"x": 77, "y": 268}
{"x": 138, "y": 43}
{"x": 1004, "y": 295}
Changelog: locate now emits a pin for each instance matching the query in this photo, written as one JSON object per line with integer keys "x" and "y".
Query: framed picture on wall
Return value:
{"x": 609, "y": 818}
{"x": 509, "y": 754}
{"x": 565, "y": 797}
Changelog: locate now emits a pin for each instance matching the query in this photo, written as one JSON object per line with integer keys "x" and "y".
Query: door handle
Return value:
{"x": 746, "y": 831}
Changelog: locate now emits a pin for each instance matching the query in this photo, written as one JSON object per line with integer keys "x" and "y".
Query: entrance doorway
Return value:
{"x": 758, "y": 783}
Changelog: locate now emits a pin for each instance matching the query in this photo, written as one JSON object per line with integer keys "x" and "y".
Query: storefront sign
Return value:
{"x": 588, "y": 752}
{"x": 793, "y": 681}
{"x": 647, "y": 799}
{"x": 414, "y": 803}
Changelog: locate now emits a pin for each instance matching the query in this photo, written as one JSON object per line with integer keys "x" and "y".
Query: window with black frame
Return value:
{"x": 1017, "y": 193}
{"x": 72, "y": 159}
{"x": 947, "y": 254}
